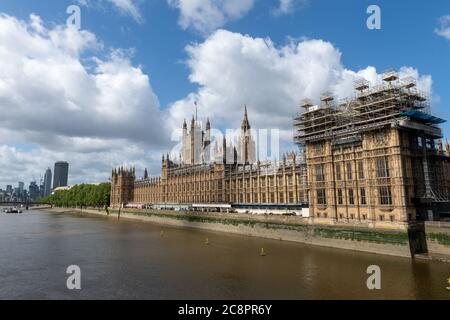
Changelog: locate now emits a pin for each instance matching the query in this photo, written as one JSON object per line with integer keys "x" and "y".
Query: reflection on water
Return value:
{"x": 132, "y": 260}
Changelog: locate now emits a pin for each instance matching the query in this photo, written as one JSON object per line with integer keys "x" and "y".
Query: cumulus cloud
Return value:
{"x": 444, "y": 27}
{"x": 63, "y": 97}
{"x": 63, "y": 102}
{"x": 204, "y": 16}
{"x": 232, "y": 70}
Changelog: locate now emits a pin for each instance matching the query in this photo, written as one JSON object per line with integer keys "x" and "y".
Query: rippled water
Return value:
{"x": 131, "y": 260}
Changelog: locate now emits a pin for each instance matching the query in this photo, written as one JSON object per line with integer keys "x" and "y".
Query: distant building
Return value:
{"x": 47, "y": 182}
{"x": 33, "y": 190}
{"x": 41, "y": 190}
{"x": 61, "y": 174}
{"x": 9, "y": 189}
{"x": 21, "y": 192}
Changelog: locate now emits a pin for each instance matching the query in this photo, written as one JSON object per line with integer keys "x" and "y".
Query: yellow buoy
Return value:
{"x": 207, "y": 241}
{"x": 262, "y": 253}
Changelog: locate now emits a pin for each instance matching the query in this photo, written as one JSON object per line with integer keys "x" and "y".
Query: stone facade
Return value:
{"x": 222, "y": 178}
{"x": 379, "y": 179}
{"x": 377, "y": 157}
{"x": 377, "y": 160}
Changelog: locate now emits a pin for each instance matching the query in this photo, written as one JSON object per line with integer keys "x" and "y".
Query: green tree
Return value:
{"x": 82, "y": 195}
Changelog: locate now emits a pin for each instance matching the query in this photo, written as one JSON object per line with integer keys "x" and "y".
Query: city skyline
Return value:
{"x": 299, "y": 51}
{"x": 39, "y": 188}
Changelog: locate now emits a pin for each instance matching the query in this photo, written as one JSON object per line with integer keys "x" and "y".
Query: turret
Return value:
{"x": 246, "y": 145}
{"x": 245, "y": 123}
{"x": 208, "y": 131}
{"x": 447, "y": 148}
{"x": 440, "y": 149}
{"x": 145, "y": 174}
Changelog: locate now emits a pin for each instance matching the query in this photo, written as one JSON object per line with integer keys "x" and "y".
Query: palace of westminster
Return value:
{"x": 377, "y": 157}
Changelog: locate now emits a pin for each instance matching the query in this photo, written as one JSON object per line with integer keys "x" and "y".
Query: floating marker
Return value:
{"x": 262, "y": 253}
{"x": 162, "y": 233}
{"x": 207, "y": 241}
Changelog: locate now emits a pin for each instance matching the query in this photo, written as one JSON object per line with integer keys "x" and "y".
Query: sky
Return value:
{"x": 116, "y": 91}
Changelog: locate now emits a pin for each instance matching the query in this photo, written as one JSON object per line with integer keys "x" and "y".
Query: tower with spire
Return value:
{"x": 196, "y": 142}
{"x": 246, "y": 151}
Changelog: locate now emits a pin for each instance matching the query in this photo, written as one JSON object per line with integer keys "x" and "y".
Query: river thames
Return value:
{"x": 135, "y": 260}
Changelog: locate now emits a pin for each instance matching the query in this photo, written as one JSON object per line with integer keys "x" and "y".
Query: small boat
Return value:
{"x": 13, "y": 210}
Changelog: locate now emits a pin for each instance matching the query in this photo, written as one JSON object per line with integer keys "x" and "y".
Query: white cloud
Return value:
{"x": 444, "y": 27}
{"x": 205, "y": 16}
{"x": 60, "y": 108}
{"x": 232, "y": 69}
{"x": 126, "y": 7}
{"x": 289, "y": 6}
{"x": 129, "y": 7}
{"x": 60, "y": 101}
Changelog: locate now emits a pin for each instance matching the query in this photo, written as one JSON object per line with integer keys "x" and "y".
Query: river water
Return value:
{"x": 135, "y": 260}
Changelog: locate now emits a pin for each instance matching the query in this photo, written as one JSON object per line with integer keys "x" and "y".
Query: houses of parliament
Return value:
{"x": 377, "y": 157}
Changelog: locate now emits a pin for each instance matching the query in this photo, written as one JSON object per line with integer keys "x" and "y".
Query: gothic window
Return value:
{"x": 362, "y": 193}
{"x": 338, "y": 172}
{"x": 339, "y": 196}
{"x": 289, "y": 179}
{"x": 385, "y": 195}
{"x": 351, "y": 197}
{"x": 380, "y": 137}
{"x": 360, "y": 170}
{"x": 319, "y": 172}
{"x": 318, "y": 147}
{"x": 349, "y": 171}
{"x": 321, "y": 197}
{"x": 382, "y": 168}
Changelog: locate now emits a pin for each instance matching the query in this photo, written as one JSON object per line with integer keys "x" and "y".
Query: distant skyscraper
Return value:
{"x": 61, "y": 174}
{"x": 33, "y": 191}
{"x": 47, "y": 182}
{"x": 21, "y": 187}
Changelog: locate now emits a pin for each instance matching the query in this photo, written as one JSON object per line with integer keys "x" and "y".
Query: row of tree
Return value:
{"x": 82, "y": 195}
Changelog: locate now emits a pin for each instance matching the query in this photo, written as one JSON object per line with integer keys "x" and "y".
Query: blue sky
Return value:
{"x": 407, "y": 36}
{"x": 158, "y": 41}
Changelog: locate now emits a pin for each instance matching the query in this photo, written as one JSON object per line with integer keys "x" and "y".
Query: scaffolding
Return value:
{"x": 395, "y": 102}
